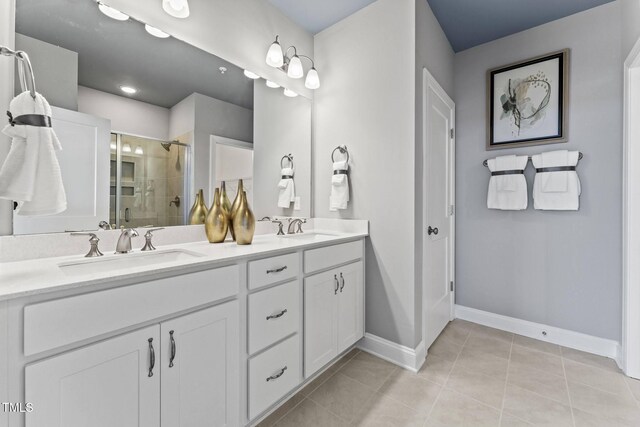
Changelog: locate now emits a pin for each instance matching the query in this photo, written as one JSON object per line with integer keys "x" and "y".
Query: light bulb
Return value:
{"x": 126, "y": 148}
{"x": 112, "y": 13}
{"x": 295, "y": 70}
{"x": 275, "y": 58}
{"x": 139, "y": 150}
{"x": 251, "y": 74}
{"x": 313, "y": 80}
{"x": 176, "y": 8}
{"x": 290, "y": 93}
{"x": 272, "y": 85}
{"x": 155, "y": 32}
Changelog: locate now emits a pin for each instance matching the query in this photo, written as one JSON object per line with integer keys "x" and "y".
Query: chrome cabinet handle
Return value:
{"x": 152, "y": 357}
{"x": 173, "y": 349}
{"x": 335, "y": 291}
{"x": 277, "y": 316}
{"x": 277, "y": 270}
{"x": 276, "y": 376}
{"x": 342, "y": 284}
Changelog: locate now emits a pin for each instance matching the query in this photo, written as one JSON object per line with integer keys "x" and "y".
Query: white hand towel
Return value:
{"x": 557, "y": 191}
{"x": 339, "y": 198}
{"x": 507, "y": 192}
{"x": 287, "y": 188}
{"x": 31, "y": 173}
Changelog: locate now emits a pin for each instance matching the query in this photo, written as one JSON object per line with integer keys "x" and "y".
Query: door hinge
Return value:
{"x": 451, "y": 285}
{"x": 452, "y": 210}
{"x": 452, "y": 133}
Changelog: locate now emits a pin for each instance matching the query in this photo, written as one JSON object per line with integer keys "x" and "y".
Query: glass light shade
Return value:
{"x": 295, "y": 70}
{"x": 113, "y": 146}
{"x": 112, "y": 13}
{"x": 272, "y": 85}
{"x": 176, "y": 8}
{"x": 313, "y": 80}
{"x": 155, "y": 32}
{"x": 290, "y": 93}
{"x": 126, "y": 148}
{"x": 139, "y": 150}
{"x": 251, "y": 74}
{"x": 275, "y": 57}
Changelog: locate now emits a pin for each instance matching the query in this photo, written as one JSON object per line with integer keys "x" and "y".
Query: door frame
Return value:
{"x": 630, "y": 351}
{"x": 428, "y": 81}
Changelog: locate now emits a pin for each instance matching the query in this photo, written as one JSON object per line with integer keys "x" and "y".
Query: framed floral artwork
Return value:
{"x": 527, "y": 102}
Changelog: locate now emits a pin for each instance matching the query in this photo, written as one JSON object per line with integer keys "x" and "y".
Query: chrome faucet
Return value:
{"x": 93, "y": 241}
{"x": 148, "y": 246}
{"x": 280, "y": 225}
{"x": 292, "y": 224}
{"x": 124, "y": 242}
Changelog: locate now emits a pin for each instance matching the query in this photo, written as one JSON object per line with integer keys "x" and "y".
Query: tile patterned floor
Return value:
{"x": 473, "y": 376}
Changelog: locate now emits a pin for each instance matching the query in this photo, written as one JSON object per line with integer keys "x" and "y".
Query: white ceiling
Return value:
{"x": 316, "y": 15}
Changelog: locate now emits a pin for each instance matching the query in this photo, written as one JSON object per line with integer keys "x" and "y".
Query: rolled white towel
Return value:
{"x": 339, "y": 198}
{"x": 287, "y": 193}
{"x": 31, "y": 173}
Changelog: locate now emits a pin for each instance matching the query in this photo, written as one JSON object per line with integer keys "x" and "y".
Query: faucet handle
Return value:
{"x": 148, "y": 245}
{"x": 280, "y": 225}
{"x": 93, "y": 241}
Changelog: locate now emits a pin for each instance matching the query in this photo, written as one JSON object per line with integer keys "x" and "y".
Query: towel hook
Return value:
{"x": 342, "y": 149}
{"x": 287, "y": 157}
{"x": 486, "y": 162}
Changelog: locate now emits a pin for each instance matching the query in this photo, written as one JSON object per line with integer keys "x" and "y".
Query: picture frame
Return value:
{"x": 528, "y": 101}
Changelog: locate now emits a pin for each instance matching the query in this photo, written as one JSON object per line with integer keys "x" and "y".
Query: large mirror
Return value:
{"x": 146, "y": 120}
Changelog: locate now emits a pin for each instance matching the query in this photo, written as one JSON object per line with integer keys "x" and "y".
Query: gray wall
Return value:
{"x": 55, "y": 70}
{"x": 558, "y": 268}
{"x": 282, "y": 125}
{"x": 630, "y": 25}
{"x": 7, "y": 67}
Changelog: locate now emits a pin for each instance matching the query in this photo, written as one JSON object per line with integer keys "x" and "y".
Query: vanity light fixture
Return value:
{"x": 251, "y": 75}
{"x": 126, "y": 148}
{"x": 112, "y": 13}
{"x": 176, "y": 8}
{"x": 113, "y": 146}
{"x": 155, "y": 32}
{"x": 272, "y": 85}
{"x": 290, "y": 93}
{"x": 139, "y": 150}
{"x": 128, "y": 90}
{"x": 292, "y": 64}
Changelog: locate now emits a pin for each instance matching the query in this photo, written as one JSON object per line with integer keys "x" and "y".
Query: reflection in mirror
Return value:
{"x": 146, "y": 121}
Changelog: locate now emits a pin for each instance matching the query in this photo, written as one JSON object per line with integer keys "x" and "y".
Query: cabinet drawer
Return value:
{"x": 266, "y": 271}
{"x": 319, "y": 259}
{"x": 269, "y": 381}
{"x": 273, "y": 314}
{"x": 56, "y": 323}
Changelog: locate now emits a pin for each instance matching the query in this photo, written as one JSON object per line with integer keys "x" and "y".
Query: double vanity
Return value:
{"x": 191, "y": 334}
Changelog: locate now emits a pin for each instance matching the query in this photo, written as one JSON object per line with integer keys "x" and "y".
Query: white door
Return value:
{"x": 103, "y": 385}
{"x": 350, "y": 306}
{"x": 320, "y": 320}
{"x": 200, "y": 368}
{"x": 438, "y": 124}
{"x": 84, "y": 162}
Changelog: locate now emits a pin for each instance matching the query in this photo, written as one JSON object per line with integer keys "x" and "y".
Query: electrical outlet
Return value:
{"x": 296, "y": 204}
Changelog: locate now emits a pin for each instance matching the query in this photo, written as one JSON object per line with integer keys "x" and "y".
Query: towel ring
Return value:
{"x": 287, "y": 157}
{"x": 580, "y": 156}
{"x": 25, "y": 70}
{"x": 343, "y": 150}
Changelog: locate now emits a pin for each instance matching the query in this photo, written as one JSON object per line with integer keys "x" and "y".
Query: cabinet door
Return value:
{"x": 320, "y": 309}
{"x": 200, "y": 368}
{"x": 103, "y": 385}
{"x": 350, "y": 305}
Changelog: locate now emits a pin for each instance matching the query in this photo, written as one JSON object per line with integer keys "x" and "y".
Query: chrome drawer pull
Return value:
{"x": 173, "y": 349}
{"x": 277, "y": 316}
{"x": 342, "y": 285}
{"x": 152, "y": 357}
{"x": 278, "y": 375}
{"x": 335, "y": 291}
{"x": 277, "y": 270}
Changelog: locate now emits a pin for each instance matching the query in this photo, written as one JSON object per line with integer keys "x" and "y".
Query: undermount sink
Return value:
{"x": 124, "y": 261}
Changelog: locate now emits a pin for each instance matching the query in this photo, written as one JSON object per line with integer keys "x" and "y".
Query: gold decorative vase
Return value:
{"x": 217, "y": 222}
{"x": 226, "y": 204}
{"x": 244, "y": 223}
{"x": 198, "y": 213}
{"x": 234, "y": 207}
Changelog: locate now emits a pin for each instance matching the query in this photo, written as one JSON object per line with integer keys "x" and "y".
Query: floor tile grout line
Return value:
{"x": 631, "y": 391}
{"x": 287, "y": 413}
{"x": 566, "y": 381}
{"x": 506, "y": 381}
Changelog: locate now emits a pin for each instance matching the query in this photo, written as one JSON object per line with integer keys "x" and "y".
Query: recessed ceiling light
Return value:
{"x": 251, "y": 75}
{"x": 290, "y": 93}
{"x": 222, "y": 70}
{"x": 155, "y": 32}
{"x": 128, "y": 90}
{"x": 272, "y": 84}
{"x": 112, "y": 13}
{"x": 176, "y": 8}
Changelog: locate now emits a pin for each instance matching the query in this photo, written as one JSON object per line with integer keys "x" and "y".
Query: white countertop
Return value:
{"x": 43, "y": 275}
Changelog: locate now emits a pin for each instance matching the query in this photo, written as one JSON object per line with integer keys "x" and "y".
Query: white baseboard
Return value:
{"x": 576, "y": 340}
{"x": 405, "y": 357}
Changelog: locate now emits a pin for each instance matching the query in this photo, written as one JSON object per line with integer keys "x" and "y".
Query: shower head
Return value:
{"x": 166, "y": 145}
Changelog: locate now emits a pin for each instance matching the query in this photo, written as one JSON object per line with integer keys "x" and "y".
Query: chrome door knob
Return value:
{"x": 431, "y": 231}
